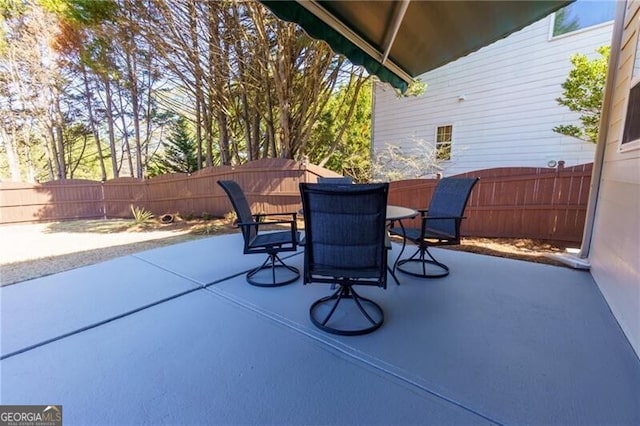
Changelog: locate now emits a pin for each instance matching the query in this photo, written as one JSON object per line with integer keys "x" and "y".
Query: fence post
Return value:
{"x": 303, "y": 165}
{"x": 104, "y": 204}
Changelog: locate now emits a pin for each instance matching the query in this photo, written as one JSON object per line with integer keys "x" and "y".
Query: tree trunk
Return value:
{"x": 92, "y": 121}
{"x": 345, "y": 123}
{"x": 11, "y": 147}
{"x": 135, "y": 106}
{"x": 217, "y": 80}
{"x": 195, "y": 58}
{"x": 54, "y": 152}
{"x": 126, "y": 148}
{"x": 57, "y": 123}
{"x": 110, "y": 126}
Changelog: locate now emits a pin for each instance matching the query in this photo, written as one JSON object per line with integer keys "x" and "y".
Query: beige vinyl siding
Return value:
{"x": 510, "y": 108}
{"x": 615, "y": 248}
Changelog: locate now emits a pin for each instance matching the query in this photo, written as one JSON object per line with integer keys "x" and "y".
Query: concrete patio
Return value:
{"x": 176, "y": 336}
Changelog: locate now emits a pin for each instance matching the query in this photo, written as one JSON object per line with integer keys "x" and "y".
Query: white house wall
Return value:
{"x": 615, "y": 247}
{"x": 509, "y": 108}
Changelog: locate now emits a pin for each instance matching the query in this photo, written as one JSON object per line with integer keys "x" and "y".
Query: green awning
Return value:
{"x": 399, "y": 40}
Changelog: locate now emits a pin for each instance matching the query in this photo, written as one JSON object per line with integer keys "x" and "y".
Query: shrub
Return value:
{"x": 141, "y": 216}
{"x": 209, "y": 228}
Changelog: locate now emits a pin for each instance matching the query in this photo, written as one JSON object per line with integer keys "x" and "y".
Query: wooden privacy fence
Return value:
{"x": 515, "y": 202}
{"x": 507, "y": 202}
{"x": 271, "y": 185}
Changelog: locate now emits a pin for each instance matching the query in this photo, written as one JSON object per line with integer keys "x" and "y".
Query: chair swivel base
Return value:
{"x": 277, "y": 273}
{"x": 421, "y": 267}
{"x": 368, "y": 317}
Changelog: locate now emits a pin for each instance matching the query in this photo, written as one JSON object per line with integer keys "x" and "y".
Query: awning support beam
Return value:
{"x": 395, "y": 27}
{"x": 319, "y": 11}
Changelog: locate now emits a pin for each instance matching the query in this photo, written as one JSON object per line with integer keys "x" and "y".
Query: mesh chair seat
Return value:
{"x": 272, "y": 239}
{"x": 415, "y": 235}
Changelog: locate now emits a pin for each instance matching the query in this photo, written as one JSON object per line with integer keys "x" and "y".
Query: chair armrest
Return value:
{"x": 269, "y": 222}
{"x": 444, "y": 217}
{"x": 257, "y": 216}
{"x": 258, "y": 219}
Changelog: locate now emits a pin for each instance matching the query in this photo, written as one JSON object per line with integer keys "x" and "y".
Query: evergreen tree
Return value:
{"x": 179, "y": 154}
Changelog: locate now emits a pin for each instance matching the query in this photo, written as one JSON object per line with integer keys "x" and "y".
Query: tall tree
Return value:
{"x": 341, "y": 139}
{"x": 250, "y": 85}
{"x": 33, "y": 84}
{"x": 260, "y": 83}
{"x": 75, "y": 44}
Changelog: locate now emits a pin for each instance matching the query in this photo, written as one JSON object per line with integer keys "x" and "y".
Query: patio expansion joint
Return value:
{"x": 97, "y": 324}
{"x": 155, "y": 265}
{"x": 199, "y": 283}
{"x": 198, "y": 286}
{"x": 373, "y": 363}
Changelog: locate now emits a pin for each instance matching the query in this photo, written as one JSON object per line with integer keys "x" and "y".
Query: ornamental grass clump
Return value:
{"x": 141, "y": 216}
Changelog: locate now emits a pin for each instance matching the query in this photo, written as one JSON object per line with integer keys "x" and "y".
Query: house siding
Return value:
{"x": 509, "y": 110}
{"x": 615, "y": 248}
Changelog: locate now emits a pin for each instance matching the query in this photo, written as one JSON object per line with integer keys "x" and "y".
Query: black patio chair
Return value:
{"x": 270, "y": 243}
{"x": 440, "y": 226}
{"x": 345, "y": 245}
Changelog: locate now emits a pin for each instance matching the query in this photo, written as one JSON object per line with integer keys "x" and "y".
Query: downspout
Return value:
{"x": 603, "y": 129}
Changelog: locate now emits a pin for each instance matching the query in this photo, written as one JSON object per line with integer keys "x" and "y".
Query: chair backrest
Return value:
{"x": 345, "y": 231}
{"x": 335, "y": 180}
{"x": 449, "y": 200}
{"x": 241, "y": 207}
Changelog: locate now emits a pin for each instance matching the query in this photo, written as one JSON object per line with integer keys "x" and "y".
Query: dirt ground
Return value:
{"x": 33, "y": 250}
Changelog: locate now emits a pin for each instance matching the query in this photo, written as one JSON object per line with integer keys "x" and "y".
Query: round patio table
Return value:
{"x": 397, "y": 213}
